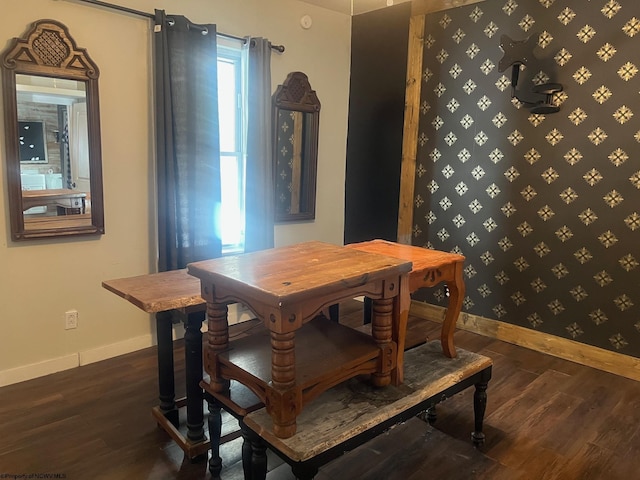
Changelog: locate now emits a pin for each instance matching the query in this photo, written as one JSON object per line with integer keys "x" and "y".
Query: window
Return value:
{"x": 231, "y": 106}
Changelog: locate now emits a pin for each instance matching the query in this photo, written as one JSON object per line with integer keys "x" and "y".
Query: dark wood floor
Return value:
{"x": 546, "y": 419}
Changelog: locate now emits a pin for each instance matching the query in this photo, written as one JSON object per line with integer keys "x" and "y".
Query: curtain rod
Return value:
{"x": 278, "y": 48}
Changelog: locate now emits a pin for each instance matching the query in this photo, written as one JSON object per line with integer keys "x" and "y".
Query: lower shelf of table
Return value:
{"x": 326, "y": 353}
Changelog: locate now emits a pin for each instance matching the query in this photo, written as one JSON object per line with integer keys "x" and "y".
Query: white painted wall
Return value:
{"x": 40, "y": 280}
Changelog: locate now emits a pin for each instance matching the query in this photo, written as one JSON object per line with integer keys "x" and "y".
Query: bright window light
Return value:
{"x": 231, "y": 93}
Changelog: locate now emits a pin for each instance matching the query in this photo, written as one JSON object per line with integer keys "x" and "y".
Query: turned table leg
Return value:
{"x": 166, "y": 381}
{"x": 283, "y": 401}
{"x": 193, "y": 373}
{"x": 217, "y": 341}
{"x": 381, "y": 331}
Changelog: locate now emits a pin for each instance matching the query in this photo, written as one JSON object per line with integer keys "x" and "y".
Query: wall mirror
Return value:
{"x": 295, "y": 148}
{"x": 52, "y": 135}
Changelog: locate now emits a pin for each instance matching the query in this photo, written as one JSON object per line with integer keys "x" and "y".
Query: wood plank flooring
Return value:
{"x": 546, "y": 419}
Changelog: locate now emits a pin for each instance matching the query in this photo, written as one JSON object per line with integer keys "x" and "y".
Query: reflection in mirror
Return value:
{"x": 296, "y": 116}
{"x": 52, "y": 135}
{"x": 293, "y": 146}
{"x": 54, "y": 154}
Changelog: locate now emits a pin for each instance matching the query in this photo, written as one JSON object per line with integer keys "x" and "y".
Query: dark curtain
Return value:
{"x": 259, "y": 201}
{"x": 188, "y": 144}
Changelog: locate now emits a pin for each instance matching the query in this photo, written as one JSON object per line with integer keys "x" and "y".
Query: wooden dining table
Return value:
{"x": 301, "y": 355}
{"x": 173, "y": 295}
{"x": 429, "y": 268}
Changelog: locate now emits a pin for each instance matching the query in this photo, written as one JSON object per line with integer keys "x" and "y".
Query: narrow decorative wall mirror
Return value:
{"x": 52, "y": 135}
{"x": 295, "y": 148}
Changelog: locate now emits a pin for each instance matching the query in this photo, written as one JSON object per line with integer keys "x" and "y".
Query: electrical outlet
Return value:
{"x": 70, "y": 319}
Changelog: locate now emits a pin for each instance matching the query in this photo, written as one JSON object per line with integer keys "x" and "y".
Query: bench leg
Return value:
{"x": 304, "y": 472}
{"x": 215, "y": 432}
{"x": 479, "y": 407}
{"x": 254, "y": 455}
{"x": 334, "y": 312}
{"x": 432, "y": 415}
{"x": 247, "y": 451}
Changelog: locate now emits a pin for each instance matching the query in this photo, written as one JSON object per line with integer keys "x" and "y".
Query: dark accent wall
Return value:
{"x": 376, "y": 111}
{"x": 546, "y": 208}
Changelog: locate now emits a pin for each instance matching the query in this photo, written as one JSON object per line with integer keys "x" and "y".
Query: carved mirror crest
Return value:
{"x": 52, "y": 135}
{"x": 295, "y": 148}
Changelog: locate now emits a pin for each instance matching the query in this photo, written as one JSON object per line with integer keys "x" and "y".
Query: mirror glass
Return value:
{"x": 52, "y": 135}
{"x": 294, "y": 175}
{"x": 54, "y": 155}
{"x": 296, "y": 116}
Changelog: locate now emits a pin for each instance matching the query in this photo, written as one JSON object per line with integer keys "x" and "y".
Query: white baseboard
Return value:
{"x": 73, "y": 360}
{"x": 237, "y": 313}
{"x": 115, "y": 349}
{"x": 39, "y": 369}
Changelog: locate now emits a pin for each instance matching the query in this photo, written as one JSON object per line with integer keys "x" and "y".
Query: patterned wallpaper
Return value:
{"x": 284, "y": 161}
{"x": 290, "y": 179}
{"x": 546, "y": 208}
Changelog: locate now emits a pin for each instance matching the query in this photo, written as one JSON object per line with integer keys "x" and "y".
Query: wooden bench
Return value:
{"x": 354, "y": 412}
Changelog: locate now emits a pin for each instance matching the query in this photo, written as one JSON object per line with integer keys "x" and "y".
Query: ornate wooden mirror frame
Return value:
{"x": 295, "y": 148}
{"x": 49, "y": 69}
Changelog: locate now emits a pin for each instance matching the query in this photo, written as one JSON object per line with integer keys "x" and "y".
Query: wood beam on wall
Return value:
{"x": 419, "y": 8}
{"x": 410, "y": 129}
{"x": 599, "y": 358}
{"x": 422, "y": 7}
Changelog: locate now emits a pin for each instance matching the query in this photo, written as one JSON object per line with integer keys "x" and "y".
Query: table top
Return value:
{"x": 421, "y": 258}
{"x": 158, "y": 292}
{"x": 284, "y": 275}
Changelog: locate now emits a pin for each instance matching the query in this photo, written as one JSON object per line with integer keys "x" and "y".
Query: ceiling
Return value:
{"x": 353, "y": 7}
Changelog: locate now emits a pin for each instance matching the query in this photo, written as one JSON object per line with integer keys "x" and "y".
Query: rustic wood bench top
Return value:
{"x": 354, "y": 407}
